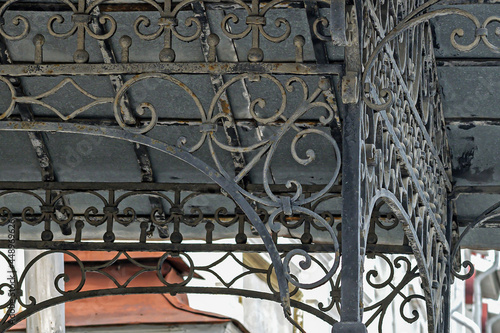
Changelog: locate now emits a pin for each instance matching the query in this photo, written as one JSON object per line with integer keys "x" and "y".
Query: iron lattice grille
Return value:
{"x": 404, "y": 150}
{"x": 402, "y": 166}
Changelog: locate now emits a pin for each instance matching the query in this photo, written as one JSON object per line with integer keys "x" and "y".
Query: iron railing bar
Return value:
{"x": 214, "y": 68}
{"x": 193, "y": 247}
{"x": 136, "y": 186}
{"x": 471, "y": 122}
{"x": 35, "y": 6}
{"x": 474, "y": 189}
{"x": 165, "y": 122}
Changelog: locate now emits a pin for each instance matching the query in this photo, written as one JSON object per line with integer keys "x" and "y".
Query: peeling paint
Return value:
{"x": 466, "y": 126}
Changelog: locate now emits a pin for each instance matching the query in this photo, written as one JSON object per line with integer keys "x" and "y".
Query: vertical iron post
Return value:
{"x": 352, "y": 219}
{"x": 447, "y": 285}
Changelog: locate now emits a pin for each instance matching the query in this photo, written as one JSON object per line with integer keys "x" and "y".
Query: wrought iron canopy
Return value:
{"x": 136, "y": 125}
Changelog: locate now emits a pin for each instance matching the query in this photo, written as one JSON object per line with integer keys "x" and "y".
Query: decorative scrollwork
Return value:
{"x": 265, "y": 150}
{"x": 16, "y": 21}
{"x": 86, "y": 19}
{"x": 51, "y": 209}
{"x": 123, "y": 285}
{"x": 81, "y": 17}
{"x": 489, "y": 214}
{"x": 324, "y": 22}
{"x": 256, "y": 21}
{"x": 5, "y": 216}
{"x": 408, "y": 23}
{"x": 13, "y": 97}
{"x": 294, "y": 204}
{"x": 145, "y": 105}
{"x": 167, "y": 24}
{"x": 38, "y": 100}
{"x": 175, "y": 210}
{"x": 481, "y": 34}
{"x": 398, "y": 274}
{"x": 405, "y": 157}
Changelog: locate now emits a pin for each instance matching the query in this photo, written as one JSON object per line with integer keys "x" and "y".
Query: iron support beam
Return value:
{"x": 353, "y": 248}
{"x": 26, "y": 113}
{"x": 352, "y": 251}
{"x": 134, "y": 186}
{"x": 200, "y": 247}
{"x": 447, "y": 285}
{"x": 214, "y": 68}
{"x": 332, "y": 96}
{"x": 243, "y": 123}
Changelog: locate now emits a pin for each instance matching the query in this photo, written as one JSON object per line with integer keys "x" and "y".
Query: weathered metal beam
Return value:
{"x": 170, "y": 247}
{"x": 466, "y": 2}
{"x": 470, "y": 122}
{"x": 138, "y": 7}
{"x": 243, "y": 123}
{"x": 486, "y": 189}
{"x": 353, "y": 248}
{"x": 338, "y": 27}
{"x": 321, "y": 55}
{"x": 223, "y": 103}
{"x": 26, "y": 113}
{"x": 467, "y": 62}
{"x": 131, "y": 186}
{"x": 214, "y": 68}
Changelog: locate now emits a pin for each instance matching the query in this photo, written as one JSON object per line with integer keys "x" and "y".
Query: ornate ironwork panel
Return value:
{"x": 283, "y": 101}
{"x": 264, "y": 114}
{"x": 405, "y": 163}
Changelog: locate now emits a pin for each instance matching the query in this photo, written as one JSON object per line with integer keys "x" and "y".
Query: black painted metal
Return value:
{"x": 352, "y": 219}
